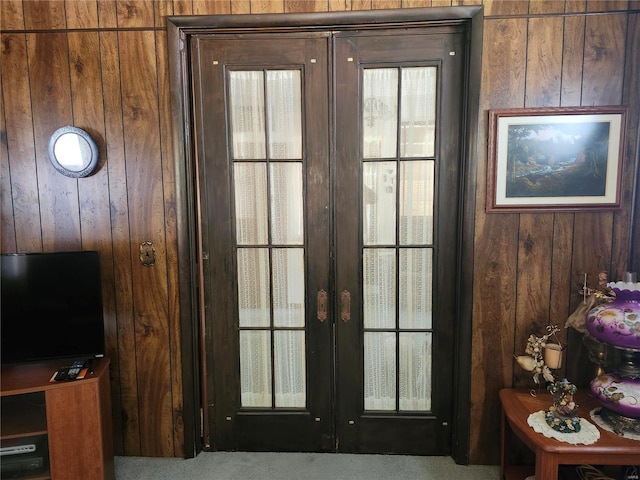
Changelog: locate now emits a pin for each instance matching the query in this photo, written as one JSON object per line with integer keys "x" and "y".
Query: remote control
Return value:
{"x": 69, "y": 372}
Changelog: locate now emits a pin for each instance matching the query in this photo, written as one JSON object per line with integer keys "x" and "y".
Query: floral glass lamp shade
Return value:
{"x": 617, "y": 323}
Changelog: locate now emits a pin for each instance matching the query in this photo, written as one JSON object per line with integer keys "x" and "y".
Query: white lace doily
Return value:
{"x": 587, "y": 435}
{"x": 594, "y": 414}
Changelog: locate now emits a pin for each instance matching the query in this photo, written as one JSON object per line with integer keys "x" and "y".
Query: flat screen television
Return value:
{"x": 50, "y": 306}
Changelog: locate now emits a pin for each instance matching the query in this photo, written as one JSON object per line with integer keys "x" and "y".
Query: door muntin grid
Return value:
{"x": 267, "y": 154}
{"x": 398, "y": 178}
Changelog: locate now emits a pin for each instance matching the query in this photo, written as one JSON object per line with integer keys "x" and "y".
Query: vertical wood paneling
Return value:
{"x": 535, "y": 252}
{"x": 51, "y": 106}
{"x": 533, "y": 283}
{"x": 607, "y": 5}
{"x": 575, "y": 6}
{"x": 135, "y": 13}
{"x": 506, "y": 7}
{"x": 631, "y": 97}
{"x": 296, "y": 6}
{"x": 572, "y": 60}
{"x": 528, "y": 268}
{"x": 267, "y": 6}
{"x": 123, "y": 356}
{"x": 421, "y": 3}
{"x": 86, "y": 85}
{"x": 163, "y": 8}
{"x": 544, "y": 62}
{"x": 546, "y": 7}
{"x": 81, "y": 14}
{"x": 620, "y": 261}
{"x": 360, "y": 5}
{"x": 441, "y": 3}
{"x": 591, "y": 253}
{"x": 560, "y": 294}
{"x": 593, "y": 232}
{"x": 8, "y": 237}
{"x": 493, "y": 325}
{"x": 240, "y": 6}
{"x": 496, "y": 246}
{"x": 21, "y": 157}
{"x": 604, "y": 59}
{"x": 44, "y": 15}
{"x": 505, "y": 60}
{"x": 11, "y": 16}
{"x": 383, "y": 4}
{"x": 93, "y": 191}
{"x": 337, "y": 5}
{"x": 144, "y": 174}
{"x": 171, "y": 232}
{"x": 211, "y": 7}
{"x": 107, "y": 14}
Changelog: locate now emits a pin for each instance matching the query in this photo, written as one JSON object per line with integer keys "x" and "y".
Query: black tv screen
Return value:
{"x": 51, "y": 306}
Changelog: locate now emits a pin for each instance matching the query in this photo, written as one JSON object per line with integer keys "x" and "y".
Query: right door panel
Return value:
{"x": 399, "y": 103}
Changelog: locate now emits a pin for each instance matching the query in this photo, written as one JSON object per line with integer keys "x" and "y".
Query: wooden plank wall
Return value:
{"x": 102, "y": 66}
{"x": 529, "y": 267}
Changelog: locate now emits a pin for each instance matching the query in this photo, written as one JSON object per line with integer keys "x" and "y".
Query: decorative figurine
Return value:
{"x": 562, "y": 415}
{"x": 534, "y": 360}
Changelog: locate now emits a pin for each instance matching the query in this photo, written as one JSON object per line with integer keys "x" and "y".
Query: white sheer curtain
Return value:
{"x": 379, "y": 112}
{"x": 246, "y": 90}
{"x": 284, "y": 113}
{"x": 418, "y": 106}
{"x": 270, "y": 257}
{"x": 250, "y": 193}
{"x": 379, "y": 203}
{"x": 415, "y": 371}
{"x": 397, "y": 269}
{"x": 285, "y": 190}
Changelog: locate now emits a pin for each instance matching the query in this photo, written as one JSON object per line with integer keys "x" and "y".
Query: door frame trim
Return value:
{"x": 180, "y": 29}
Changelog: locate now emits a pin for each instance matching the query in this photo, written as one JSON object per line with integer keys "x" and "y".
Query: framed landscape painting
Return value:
{"x": 555, "y": 159}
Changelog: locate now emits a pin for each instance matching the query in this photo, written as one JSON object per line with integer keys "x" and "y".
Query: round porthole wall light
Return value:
{"x": 73, "y": 152}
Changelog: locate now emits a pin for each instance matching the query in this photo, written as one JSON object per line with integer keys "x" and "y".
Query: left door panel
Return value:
{"x": 261, "y": 131}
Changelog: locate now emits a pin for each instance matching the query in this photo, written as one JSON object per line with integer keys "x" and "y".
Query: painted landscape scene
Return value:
{"x": 557, "y": 160}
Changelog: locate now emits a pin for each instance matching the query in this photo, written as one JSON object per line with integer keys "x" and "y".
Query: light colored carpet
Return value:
{"x": 298, "y": 466}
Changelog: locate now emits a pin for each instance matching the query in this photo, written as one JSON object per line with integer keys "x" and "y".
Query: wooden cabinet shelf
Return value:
{"x": 23, "y": 416}
{"x": 58, "y": 417}
{"x": 513, "y": 472}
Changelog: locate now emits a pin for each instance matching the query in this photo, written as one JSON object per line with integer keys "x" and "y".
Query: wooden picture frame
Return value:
{"x": 555, "y": 159}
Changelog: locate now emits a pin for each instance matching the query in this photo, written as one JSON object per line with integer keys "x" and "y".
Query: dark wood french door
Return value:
{"x": 328, "y": 178}
{"x": 263, "y": 152}
{"x": 398, "y": 135}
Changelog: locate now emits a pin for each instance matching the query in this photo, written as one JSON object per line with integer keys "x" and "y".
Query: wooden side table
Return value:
{"x": 518, "y": 404}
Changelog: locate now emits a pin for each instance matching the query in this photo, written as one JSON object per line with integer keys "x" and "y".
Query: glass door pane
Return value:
{"x": 246, "y": 89}
{"x": 418, "y": 105}
{"x": 266, "y": 110}
{"x": 284, "y": 114}
{"x": 380, "y": 113}
{"x": 398, "y": 176}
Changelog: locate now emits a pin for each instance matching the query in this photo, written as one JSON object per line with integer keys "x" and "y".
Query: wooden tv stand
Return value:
{"x": 73, "y": 418}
